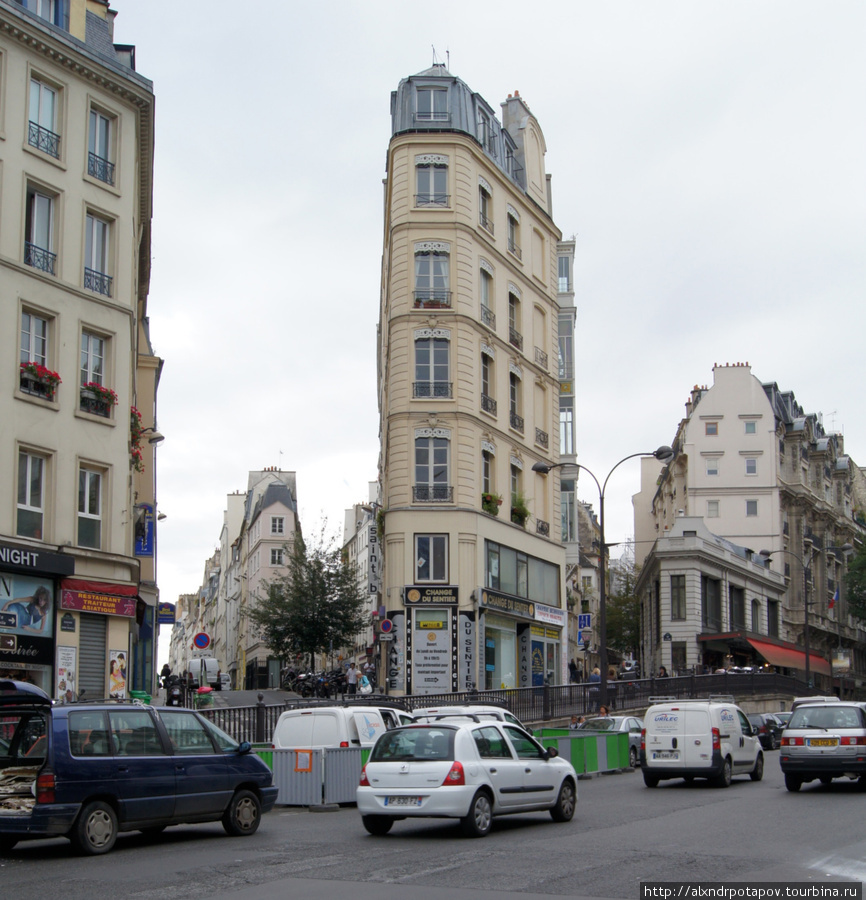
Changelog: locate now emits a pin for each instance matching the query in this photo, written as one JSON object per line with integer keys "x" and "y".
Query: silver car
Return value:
{"x": 824, "y": 741}
{"x": 630, "y": 725}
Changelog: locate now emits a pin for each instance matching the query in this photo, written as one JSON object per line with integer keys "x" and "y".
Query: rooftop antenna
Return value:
{"x": 448, "y": 60}
{"x": 435, "y": 57}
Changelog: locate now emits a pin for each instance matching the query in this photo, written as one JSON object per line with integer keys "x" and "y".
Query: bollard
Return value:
{"x": 260, "y": 719}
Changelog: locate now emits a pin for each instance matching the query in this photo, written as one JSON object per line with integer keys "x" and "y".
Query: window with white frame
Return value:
{"x": 712, "y": 465}
{"x": 515, "y": 401}
{"x": 751, "y": 427}
{"x": 516, "y": 483}
{"x": 96, "y": 255}
{"x": 488, "y": 400}
{"x": 90, "y": 504}
{"x": 751, "y": 465}
{"x": 31, "y": 495}
{"x": 92, "y": 358}
{"x": 678, "y": 597}
{"x": 100, "y": 149}
{"x": 276, "y": 556}
{"x": 514, "y": 235}
{"x": 431, "y": 558}
{"x": 485, "y": 206}
{"x": 515, "y": 336}
{"x": 431, "y": 104}
{"x": 432, "y": 450}
{"x": 34, "y": 339}
{"x": 44, "y": 116}
{"x": 488, "y": 317}
{"x": 432, "y": 367}
{"x": 563, "y": 265}
{"x": 278, "y": 524}
{"x": 751, "y": 508}
{"x": 712, "y": 509}
{"x": 487, "y": 460}
{"x": 431, "y": 180}
{"x": 566, "y": 425}
{"x": 39, "y": 230}
{"x": 432, "y": 266}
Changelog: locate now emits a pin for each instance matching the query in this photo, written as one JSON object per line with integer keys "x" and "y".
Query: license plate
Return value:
{"x": 823, "y": 742}
{"x": 666, "y": 754}
{"x": 402, "y": 801}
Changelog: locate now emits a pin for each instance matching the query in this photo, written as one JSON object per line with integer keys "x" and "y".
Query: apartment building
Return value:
{"x": 78, "y": 384}
{"x": 473, "y": 580}
{"x": 766, "y": 475}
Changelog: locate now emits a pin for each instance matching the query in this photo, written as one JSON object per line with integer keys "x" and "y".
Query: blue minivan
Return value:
{"x": 90, "y": 770}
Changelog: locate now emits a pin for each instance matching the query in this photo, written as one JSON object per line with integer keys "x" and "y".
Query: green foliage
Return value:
{"x": 855, "y": 584}
{"x": 317, "y": 605}
{"x": 623, "y": 613}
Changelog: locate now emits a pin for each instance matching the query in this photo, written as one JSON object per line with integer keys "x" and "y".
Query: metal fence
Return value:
{"x": 531, "y": 705}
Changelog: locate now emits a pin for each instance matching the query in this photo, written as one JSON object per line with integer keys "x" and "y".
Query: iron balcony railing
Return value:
{"x": 515, "y": 249}
{"x": 485, "y": 223}
{"x": 488, "y": 404}
{"x": 515, "y": 338}
{"x": 94, "y": 405}
{"x": 488, "y": 317}
{"x": 100, "y": 168}
{"x": 433, "y": 200}
{"x": 432, "y": 298}
{"x": 541, "y": 438}
{"x": 36, "y": 388}
{"x": 517, "y": 422}
{"x": 44, "y": 140}
{"x": 98, "y": 282}
{"x": 39, "y": 258}
{"x": 431, "y": 389}
{"x": 432, "y": 116}
{"x": 541, "y": 357}
{"x": 432, "y": 493}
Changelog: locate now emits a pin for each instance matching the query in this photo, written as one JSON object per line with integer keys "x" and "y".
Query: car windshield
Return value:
{"x": 827, "y": 717}
{"x": 414, "y": 744}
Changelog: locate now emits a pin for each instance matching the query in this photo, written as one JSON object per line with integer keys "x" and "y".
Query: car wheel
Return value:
{"x": 377, "y": 825}
{"x": 95, "y": 829}
{"x": 7, "y": 843}
{"x": 563, "y": 809}
{"x": 243, "y": 814}
{"x": 650, "y": 780}
{"x": 758, "y": 772}
{"x": 478, "y": 820}
{"x": 793, "y": 782}
{"x": 632, "y": 757}
{"x": 723, "y": 779}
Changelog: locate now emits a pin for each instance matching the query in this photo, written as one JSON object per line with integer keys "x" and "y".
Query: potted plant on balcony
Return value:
{"x": 519, "y": 510}
{"x": 490, "y": 503}
{"x": 135, "y": 432}
{"x": 37, "y": 379}
{"x": 92, "y": 390}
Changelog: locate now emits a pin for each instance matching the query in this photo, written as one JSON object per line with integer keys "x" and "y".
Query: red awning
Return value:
{"x": 99, "y": 587}
{"x": 789, "y": 657}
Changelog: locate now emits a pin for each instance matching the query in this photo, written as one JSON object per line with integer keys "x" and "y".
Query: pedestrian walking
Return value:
{"x": 352, "y": 679}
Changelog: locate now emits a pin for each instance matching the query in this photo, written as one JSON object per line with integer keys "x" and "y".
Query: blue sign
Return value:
{"x": 584, "y": 620}
{"x": 201, "y": 640}
{"x": 144, "y": 530}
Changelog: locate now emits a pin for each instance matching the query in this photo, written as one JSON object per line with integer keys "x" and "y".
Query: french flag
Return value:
{"x": 833, "y": 600}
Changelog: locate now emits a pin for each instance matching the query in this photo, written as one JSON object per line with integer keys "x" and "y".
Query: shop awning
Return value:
{"x": 789, "y": 658}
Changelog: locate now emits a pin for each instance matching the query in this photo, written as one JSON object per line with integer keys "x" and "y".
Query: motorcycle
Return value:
{"x": 173, "y": 691}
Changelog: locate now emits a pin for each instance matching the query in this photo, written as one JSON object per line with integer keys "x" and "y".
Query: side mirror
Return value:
{"x": 551, "y": 752}
{"x": 245, "y": 747}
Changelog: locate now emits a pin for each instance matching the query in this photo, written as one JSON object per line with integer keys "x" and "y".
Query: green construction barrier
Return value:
{"x": 588, "y": 752}
{"x": 265, "y": 752}
{"x": 141, "y": 695}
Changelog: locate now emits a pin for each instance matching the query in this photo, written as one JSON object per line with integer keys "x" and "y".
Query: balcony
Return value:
{"x": 441, "y": 200}
{"x": 432, "y": 493}
{"x": 100, "y": 168}
{"x": 44, "y": 140}
{"x": 541, "y": 358}
{"x": 428, "y": 389}
{"x": 541, "y": 438}
{"x": 488, "y": 317}
{"x": 542, "y": 527}
{"x": 515, "y": 249}
{"x": 515, "y": 338}
{"x": 432, "y": 298}
{"x": 39, "y": 258}
{"x": 485, "y": 223}
{"x": 516, "y": 422}
{"x": 488, "y": 404}
{"x": 98, "y": 282}
{"x": 97, "y": 400}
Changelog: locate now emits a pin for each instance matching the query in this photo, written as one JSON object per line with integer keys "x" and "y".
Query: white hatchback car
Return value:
{"x": 469, "y": 771}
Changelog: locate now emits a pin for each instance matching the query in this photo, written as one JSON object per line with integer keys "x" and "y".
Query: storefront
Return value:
{"x": 432, "y": 660}
{"x": 29, "y": 589}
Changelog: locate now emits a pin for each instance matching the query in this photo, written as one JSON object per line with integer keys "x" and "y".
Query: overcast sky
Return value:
{"x": 708, "y": 157}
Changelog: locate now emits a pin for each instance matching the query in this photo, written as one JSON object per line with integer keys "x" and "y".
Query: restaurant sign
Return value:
{"x": 93, "y": 602}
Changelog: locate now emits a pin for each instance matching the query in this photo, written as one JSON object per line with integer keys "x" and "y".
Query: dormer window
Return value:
{"x": 431, "y": 104}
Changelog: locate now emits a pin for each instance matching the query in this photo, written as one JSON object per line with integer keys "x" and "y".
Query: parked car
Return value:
{"x": 490, "y": 711}
{"x": 783, "y": 716}
{"x": 87, "y": 771}
{"x": 769, "y": 729}
{"x": 824, "y": 741}
{"x": 471, "y": 771}
{"x": 350, "y": 725}
{"x": 691, "y": 739}
{"x": 630, "y": 725}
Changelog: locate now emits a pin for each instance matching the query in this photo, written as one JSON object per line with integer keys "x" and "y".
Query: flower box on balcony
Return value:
{"x": 39, "y": 381}
{"x": 490, "y": 503}
{"x": 97, "y": 399}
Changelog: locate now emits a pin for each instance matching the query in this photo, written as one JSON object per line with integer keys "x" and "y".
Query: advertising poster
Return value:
{"x": 431, "y": 651}
{"x": 117, "y": 674}
{"x": 397, "y": 653}
{"x": 26, "y": 606}
{"x": 66, "y": 675}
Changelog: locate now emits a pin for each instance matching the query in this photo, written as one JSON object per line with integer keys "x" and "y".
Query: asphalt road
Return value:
{"x": 623, "y": 834}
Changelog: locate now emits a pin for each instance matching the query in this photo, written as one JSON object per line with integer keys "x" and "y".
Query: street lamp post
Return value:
{"x": 663, "y": 454}
{"x": 807, "y": 578}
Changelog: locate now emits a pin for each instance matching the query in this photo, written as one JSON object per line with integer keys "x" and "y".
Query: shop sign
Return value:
{"x": 372, "y": 560}
{"x": 92, "y": 602}
{"x": 144, "y": 529}
{"x": 67, "y": 623}
{"x": 549, "y": 614}
{"x": 432, "y": 659}
{"x": 166, "y": 613}
{"x": 466, "y": 651}
{"x": 17, "y": 648}
{"x": 507, "y": 604}
{"x": 28, "y": 560}
{"x": 430, "y": 596}
{"x": 397, "y": 654}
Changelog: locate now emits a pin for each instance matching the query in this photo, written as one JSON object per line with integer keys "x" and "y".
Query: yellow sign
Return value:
{"x": 429, "y": 622}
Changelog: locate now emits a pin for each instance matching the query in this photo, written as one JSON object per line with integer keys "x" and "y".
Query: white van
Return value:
{"x": 205, "y": 666}
{"x": 335, "y": 726}
{"x": 690, "y": 739}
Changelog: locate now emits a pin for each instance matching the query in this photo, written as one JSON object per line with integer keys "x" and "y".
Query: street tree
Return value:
{"x": 855, "y": 584}
{"x": 623, "y": 609}
{"x": 316, "y": 606}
